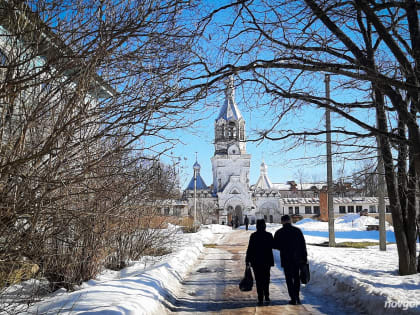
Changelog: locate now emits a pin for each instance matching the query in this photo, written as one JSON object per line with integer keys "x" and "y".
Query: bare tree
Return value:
{"x": 207, "y": 210}
{"x": 88, "y": 93}
{"x": 372, "y": 47}
{"x": 365, "y": 179}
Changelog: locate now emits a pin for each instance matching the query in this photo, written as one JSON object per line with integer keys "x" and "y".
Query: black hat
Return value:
{"x": 260, "y": 225}
{"x": 285, "y": 218}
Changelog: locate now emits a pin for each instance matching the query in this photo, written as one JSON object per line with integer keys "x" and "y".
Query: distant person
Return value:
{"x": 246, "y": 221}
{"x": 231, "y": 223}
{"x": 290, "y": 242}
{"x": 236, "y": 221}
{"x": 260, "y": 255}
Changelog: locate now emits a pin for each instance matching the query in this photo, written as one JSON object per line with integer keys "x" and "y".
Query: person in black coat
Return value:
{"x": 246, "y": 222}
{"x": 260, "y": 255}
{"x": 289, "y": 240}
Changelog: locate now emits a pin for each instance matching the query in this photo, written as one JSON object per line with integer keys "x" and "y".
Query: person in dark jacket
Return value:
{"x": 289, "y": 240}
{"x": 236, "y": 222}
{"x": 260, "y": 255}
{"x": 246, "y": 222}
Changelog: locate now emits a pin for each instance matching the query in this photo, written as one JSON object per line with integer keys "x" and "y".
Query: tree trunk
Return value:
{"x": 402, "y": 231}
{"x": 412, "y": 204}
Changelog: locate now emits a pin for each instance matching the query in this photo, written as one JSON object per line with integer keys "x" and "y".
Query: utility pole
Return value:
{"x": 196, "y": 168}
{"x": 331, "y": 234}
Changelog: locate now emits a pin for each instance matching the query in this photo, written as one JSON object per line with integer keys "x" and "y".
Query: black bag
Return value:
{"x": 304, "y": 273}
{"x": 248, "y": 281}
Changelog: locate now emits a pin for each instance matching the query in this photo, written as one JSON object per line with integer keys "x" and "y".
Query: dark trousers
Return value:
{"x": 293, "y": 281}
{"x": 246, "y": 226}
{"x": 262, "y": 280}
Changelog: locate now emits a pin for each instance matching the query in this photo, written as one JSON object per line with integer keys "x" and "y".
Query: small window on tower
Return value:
{"x": 232, "y": 128}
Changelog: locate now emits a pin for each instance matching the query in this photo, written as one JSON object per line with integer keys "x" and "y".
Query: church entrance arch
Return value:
{"x": 235, "y": 213}
{"x": 269, "y": 212}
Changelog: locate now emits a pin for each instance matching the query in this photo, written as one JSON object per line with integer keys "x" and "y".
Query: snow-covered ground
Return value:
{"x": 139, "y": 289}
{"x": 366, "y": 278}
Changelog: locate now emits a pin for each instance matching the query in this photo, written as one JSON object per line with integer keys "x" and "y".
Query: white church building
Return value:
{"x": 230, "y": 196}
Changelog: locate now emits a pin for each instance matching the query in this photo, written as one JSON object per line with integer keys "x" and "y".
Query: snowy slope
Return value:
{"x": 134, "y": 290}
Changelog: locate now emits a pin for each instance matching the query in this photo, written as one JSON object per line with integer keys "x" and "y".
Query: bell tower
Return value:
{"x": 229, "y": 127}
{"x": 230, "y": 161}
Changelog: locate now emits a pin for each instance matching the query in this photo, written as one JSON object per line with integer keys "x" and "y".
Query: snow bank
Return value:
{"x": 306, "y": 221}
{"x": 312, "y": 225}
{"x": 355, "y": 221}
{"x": 348, "y": 222}
{"x": 367, "y": 278}
{"x": 138, "y": 291}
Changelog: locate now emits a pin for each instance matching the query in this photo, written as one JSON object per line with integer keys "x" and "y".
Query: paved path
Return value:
{"x": 212, "y": 286}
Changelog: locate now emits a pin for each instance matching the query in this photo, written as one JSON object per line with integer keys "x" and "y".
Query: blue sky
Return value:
{"x": 305, "y": 162}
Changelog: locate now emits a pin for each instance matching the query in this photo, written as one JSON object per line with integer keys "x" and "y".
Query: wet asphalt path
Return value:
{"x": 212, "y": 286}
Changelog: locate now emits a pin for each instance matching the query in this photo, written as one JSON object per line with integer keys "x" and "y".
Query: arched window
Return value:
{"x": 232, "y": 130}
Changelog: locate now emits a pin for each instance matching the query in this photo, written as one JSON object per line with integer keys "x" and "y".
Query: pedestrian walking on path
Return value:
{"x": 289, "y": 240}
{"x": 246, "y": 222}
{"x": 260, "y": 255}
